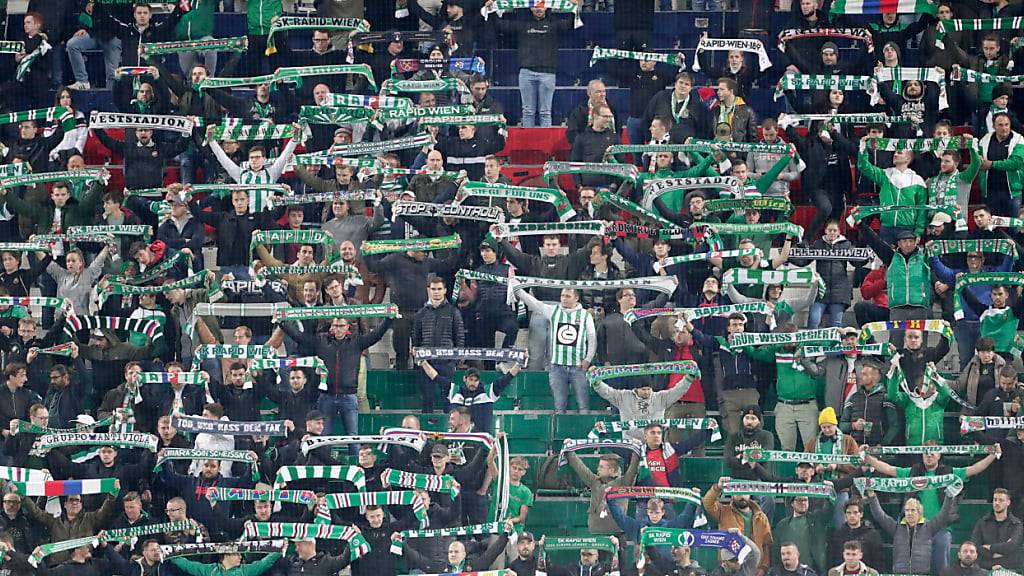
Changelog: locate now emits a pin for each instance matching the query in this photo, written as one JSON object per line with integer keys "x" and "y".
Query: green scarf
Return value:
{"x": 235, "y": 129}
{"x": 236, "y": 44}
{"x": 429, "y": 482}
{"x": 762, "y": 203}
{"x": 764, "y": 277}
{"x": 284, "y": 23}
{"x": 372, "y": 247}
{"x": 155, "y": 272}
{"x": 974, "y": 278}
{"x": 351, "y": 474}
{"x": 914, "y": 144}
{"x": 554, "y": 169}
{"x": 796, "y": 81}
{"x": 330, "y": 246}
{"x": 327, "y": 312}
{"x": 1003, "y": 246}
{"x": 445, "y": 84}
{"x": 588, "y": 227}
{"x": 943, "y": 27}
{"x": 784, "y": 489}
{"x": 205, "y": 279}
{"x": 951, "y": 482}
{"x": 598, "y": 374}
{"x": 292, "y": 75}
{"x": 747, "y": 339}
{"x": 552, "y": 196}
{"x": 788, "y": 228}
{"x": 86, "y": 175}
{"x": 620, "y": 203}
{"x": 220, "y": 494}
{"x": 657, "y": 187}
{"x": 751, "y": 454}
{"x": 701, "y": 312}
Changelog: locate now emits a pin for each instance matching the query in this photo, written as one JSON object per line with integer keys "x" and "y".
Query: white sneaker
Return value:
{"x": 80, "y": 86}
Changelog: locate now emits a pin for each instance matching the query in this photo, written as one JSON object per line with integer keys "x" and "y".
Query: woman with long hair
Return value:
{"x": 74, "y": 139}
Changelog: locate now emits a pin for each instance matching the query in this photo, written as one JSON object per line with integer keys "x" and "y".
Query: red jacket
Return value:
{"x": 874, "y": 288}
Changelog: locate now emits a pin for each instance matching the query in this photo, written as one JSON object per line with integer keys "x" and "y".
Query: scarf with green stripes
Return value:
{"x": 445, "y": 84}
{"x": 597, "y": 374}
{"x": 314, "y": 362}
{"x": 788, "y": 228}
{"x": 588, "y": 227}
{"x": 901, "y": 74}
{"x": 975, "y": 278}
{"x": 429, "y": 482}
{"x": 317, "y": 237}
{"x": 237, "y": 129}
{"x": 553, "y": 169}
{"x": 219, "y": 494}
{"x": 388, "y": 498}
{"x": 65, "y": 350}
{"x": 348, "y": 271}
{"x": 152, "y": 329}
{"x": 975, "y": 77}
{"x": 236, "y": 44}
{"x": 26, "y": 63}
{"x": 943, "y": 27}
{"x": 203, "y": 279}
{"x": 66, "y": 487}
{"x": 552, "y": 196}
{"x": 1003, "y": 246}
{"x": 614, "y": 54}
{"x": 619, "y": 203}
{"x": 820, "y": 335}
{"x": 11, "y": 46}
{"x": 83, "y": 176}
{"x": 44, "y": 301}
{"x": 762, "y": 203}
{"x": 327, "y": 312}
{"x": 155, "y": 272}
{"x": 603, "y": 427}
{"x": 858, "y": 350}
{"x": 292, "y": 75}
{"x": 958, "y": 449}
{"x": 372, "y": 247}
{"x": 57, "y": 114}
{"x": 796, "y": 81}
{"x": 472, "y": 530}
{"x": 553, "y": 5}
{"x": 951, "y": 482}
{"x": 358, "y": 546}
{"x": 751, "y": 454}
{"x": 352, "y": 474}
{"x": 194, "y": 378}
{"x": 360, "y": 101}
{"x": 44, "y": 550}
{"x": 784, "y": 489}
{"x": 285, "y": 23}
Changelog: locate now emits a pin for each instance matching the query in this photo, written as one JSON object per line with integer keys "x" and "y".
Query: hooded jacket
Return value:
{"x": 598, "y": 484}
{"x": 727, "y": 516}
{"x": 341, "y": 355}
{"x": 632, "y": 407}
{"x": 732, "y": 450}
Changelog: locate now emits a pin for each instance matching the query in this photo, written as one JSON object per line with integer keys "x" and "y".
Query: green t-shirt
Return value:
{"x": 930, "y": 498}
{"x": 748, "y": 522}
{"x": 14, "y": 312}
{"x": 518, "y": 496}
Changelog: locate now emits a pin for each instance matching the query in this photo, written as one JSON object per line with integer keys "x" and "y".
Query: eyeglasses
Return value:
{"x": 6, "y": 501}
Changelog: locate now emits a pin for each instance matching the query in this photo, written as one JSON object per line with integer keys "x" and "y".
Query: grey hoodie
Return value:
{"x": 632, "y": 407}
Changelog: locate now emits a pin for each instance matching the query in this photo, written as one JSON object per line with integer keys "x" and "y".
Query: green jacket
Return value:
{"x": 196, "y": 23}
{"x": 705, "y": 167}
{"x": 259, "y": 14}
{"x": 809, "y": 532}
{"x": 793, "y": 381}
{"x": 1013, "y": 166}
{"x": 197, "y": 569}
{"x": 75, "y": 212}
{"x": 890, "y": 195}
{"x": 909, "y": 279}
{"x": 923, "y": 423}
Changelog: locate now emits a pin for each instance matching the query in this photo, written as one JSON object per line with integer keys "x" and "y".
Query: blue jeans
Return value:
{"x": 635, "y": 129}
{"x": 966, "y": 333}
{"x": 835, "y": 314}
{"x": 345, "y": 406}
{"x": 239, "y": 272}
{"x": 940, "y": 550}
{"x": 537, "y": 342}
{"x": 559, "y": 378}
{"x": 706, "y": 5}
{"x": 537, "y": 90}
{"x": 111, "y": 56}
{"x": 999, "y": 202}
{"x": 57, "y": 56}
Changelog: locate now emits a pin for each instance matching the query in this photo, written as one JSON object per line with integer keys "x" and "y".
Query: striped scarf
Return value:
{"x": 885, "y": 7}
{"x": 57, "y": 114}
{"x": 311, "y": 443}
{"x": 237, "y": 129}
{"x": 784, "y": 489}
{"x": 26, "y": 63}
{"x": 419, "y": 244}
{"x": 150, "y": 328}
{"x": 317, "y": 237}
{"x": 85, "y": 176}
{"x": 677, "y": 423}
{"x": 43, "y": 301}
{"x": 44, "y": 550}
{"x": 460, "y": 531}
{"x": 66, "y": 487}
{"x": 901, "y": 74}
{"x": 188, "y": 378}
{"x": 285, "y": 23}
{"x": 951, "y": 482}
{"x": 975, "y": 77}
{"x": 375, "y": 102}
{"x": 234, "y": 44}
{"x": 429, "y": 482}
{"x": 943, "y": 27}
{"x": 701, "y": 312}
{"x": 217, "y": 494}
{"x": 552, "y": 196}
{"x": 353, "y": 474}
{"x": 390, "y": 498}
{"x": 14, "y": 474}
{"x": 358, "y": 546}
{"x": 169, "y": 551}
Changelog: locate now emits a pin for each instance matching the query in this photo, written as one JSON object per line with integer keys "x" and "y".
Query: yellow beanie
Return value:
{"x": 828, "y": 416}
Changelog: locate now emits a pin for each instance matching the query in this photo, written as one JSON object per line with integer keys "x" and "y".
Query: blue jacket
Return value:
{"x": 631, "y": 526}
{"x": 983, "y": 292}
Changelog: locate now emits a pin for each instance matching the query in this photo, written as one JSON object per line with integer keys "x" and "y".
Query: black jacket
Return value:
{"x": 191, "y": 236}
{"x": 695, "y": 120}
{"x": 320, "y": 565}
{"x": 579, "y": 120}
{"x": 15, "y": 405}
{"x": 537, "y": 39}
{"x": 158, "y": 31}
{"x": 379, "y": 561}
{"x": 407, "y": 276}
{"x": 144, "y": 165}
{"x": 868, "y": 535}
{"x": 340, "y": 355}
{"x": 1004, "y": 538}
{"x": 732, "y": 450}
{"x": 439, "y": 326}
{"x": 233, "y": 231}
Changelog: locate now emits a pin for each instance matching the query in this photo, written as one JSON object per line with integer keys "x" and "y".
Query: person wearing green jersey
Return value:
{"x": 259, "y": 16}
{"x": 898, "y": 186}
{"x": 196, "y": 23}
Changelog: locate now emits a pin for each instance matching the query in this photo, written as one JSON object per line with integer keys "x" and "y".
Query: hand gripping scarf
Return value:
{"x": 746, "y": 339}
{"x": 14, "y": 474}
{"x": 314, "y": 362}
{"x": 86, "y": 176}
{"x": 969, "y": 424}
{"x": 859, "y": 34}
{"x": 132, "y": 533}
{"x": 44, "y": 550}
{"x": 553, "y": 169}
{"x": 958, "y": 449}
{"x": 858, "y": 350}
{"x": 654, "y": 189}
{"x": 603, "y": 427}
{"x": 243, "y": 456}
{"x": 623, "y": 230}
{"x": 517, "y": 355}
{"x": 796, "y": 81}
{"x": 204, "y": 279}
{"x": 444, "y": 84}
{"x": 472, "y": 530}
{"x": 904, "y": 74}
{"x": 150, "y": 328}
{"x": 784, "y": 489}
{"x": 764, "y": 277}
{"x": 747, "y": 45}
{"x": 57, "y": 114}
{"x": 236, "y": 44}
{"x": 493, "y": 214}
{"x": 500, "y": 6}
{"x": 429, "y": 482}
{"x": 154, "y": 272}
{"x": 353, "y": 474}
{"x": 21, "y": 71}
{"x": 570, "y": 445}
{"x": 467, "y": 65}
{"x": 238, "y": 129}
{"x": 705, "y": 256}
{"x": 661, "y": 492}
{"x": 598, "y": 374}
{"x": 975, "y": 278}
{"x": 624, "y": 205}
{"x": 1003, "y": 246}
{"x": 317, "y": 237}
{"x": 850, "y": 255}
{"x": 389, "y": 498}
{"x": 552, "y": 196}
{"x": 600, "y": 543}
{"x": 106, "y": 120}
{"x": 415, "y": 442}
{"x": 751, "y": 454}
{"x": 23, "y": 246}
{"x": 131, "y": 440}
{"x": 327, "y": 312}
{"x": 198, "y": 424}
{"x": 372, "y": 247}
{"x": 66, "y": 487}
{"x": 614, "y": 54}
{"x": 762, "y": 203}
{"x": 951, "y": 482}
{"x": 692, "y": 314}
{"x": 867, "y": 332}
{"x": 292, "y": 75}
{"x": 284, "y": 23}
{"x": 219, "y": 494}
{"x": 30, "y": 428}
{"x": 724, "y": 228}
{"x": 657, "y": 536}
{"x": 374, "y": 102}
{"x": 975, "y": 77}
{"x": 885, "y": 7}
{"x": 358, "y": 546}
{"x": 943, "y": 27}
{"x": 169, "y": 551}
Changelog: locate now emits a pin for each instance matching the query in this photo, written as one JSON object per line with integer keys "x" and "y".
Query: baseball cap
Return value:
{"x": 315, "y": 415}
{"x": 905, "y": 235}
{"x": 940, "y": 218}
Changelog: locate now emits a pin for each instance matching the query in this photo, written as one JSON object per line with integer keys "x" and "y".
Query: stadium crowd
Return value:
{"x": 829, "y": 297}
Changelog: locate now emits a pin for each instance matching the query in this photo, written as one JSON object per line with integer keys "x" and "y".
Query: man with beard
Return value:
{"x": 194, "y": 488}
{"x": 379, "y": 560}
{"x": 856, "y": 528}
{"x": 730, "y": 565}
{"x": 16, "y": 523}
{"x": 295, "y": 400}
{"x": 967, "y": 564}
{"x": 917, "y": 102}
{"x": 999, "y": 535}
{"x": 148, "y": 564}
{"x": 678, "y": 563}
{"x": 789, "y": 562}
{"x": 745, "y": 516}
{"x": 750, "y": 435}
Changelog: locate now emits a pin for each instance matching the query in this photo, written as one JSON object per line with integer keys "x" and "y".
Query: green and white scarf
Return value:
{"x": 493, "y": 214}
{"x": 445, "y": 84}
{"x": 429, "y": 482}
{"x": 914, "y": 144}
{"x": 975, "y": 278}
{"x": 620, "y": 203}
{"x": 169, "y": 551}
{"x": 676, "y": 423}
{"x": 587, "y": 227}
{"x": 600, "y": 543}
{"x": 155, "y": 272}
{"x": 336, "y": 115}
{"x": 751, "y": 454}
{"x": 352, "y": 474}
{"x": 796, "y": 81}
{"x": 19, "y": 169}
{"x": 26, "y": 63}
{"x": 552, "y": 196}
{"x": 762, "y": 203}
{"x": 784, "y": 489}
{"x": 858, "y": 350}
{"x": 204, "y": 279}
{"x": 237, "y": 129}
{"x": 943, "y": 27}
{"x": 788, "y": 228}
{"x": 11, "y": 46}
{"x": 472, "y": 530}
{"x": 614, "y": 54}
{"x": 232, "y": 351}
{"x": 23, "y": 247}
{"x": 24, "y": 427}
{"x": 84, "y": 176}
{"x": 48, "y": 442}
{"x": 143, "y": 231}
{"x": 748, "y": 45}
{"x": 236, "y": 44}
{"x": 57, "y": 114}
{"x": 951, "y": 482}
{"x": 746, "y": 339}
{"x": 107, "y": 120}
{"x": 553, "y": 5}
{"x": 868, "y": 331}
{"x": 691, "y": 314}
{"x": 860, "y": 34}
{"x": 359, "y": 101}
{"x": 553, "y": 169}
{"x": 1007, "y": 222}
{"x": 388, "y": 498}
{"x": 317, "y": 237}
{"x": 314, "y": 362}
{"x": 372, "y": 247}
{"x": 975, "y": 77}
{"x": 1003, "y": 246}
{"x": 657, "y": 187}
{"x": 466, "y": 120}
{"x": 901, "y": 74}
{"x": 877, "y": 118}
{"x": 960, "y": 449}
{"x": 662, "y": 284}
{"x": 220, "y": 494}
{"x": 705, "y": 256}
{"x": 132, "y": 533}
{"x": 285, "y": 23}
{"x": 292, "y": 75}
{"x": 194, "y": 378}
{"x": 43, "y": 301}
{"x": 45, "y": 550}
{"x": 358, "y": 546}
{"x": 310, "y": 443}
{"x": 299, "y": 314}
{"x": 366, "y": 149}
{"x": 969, "y": 424}
{"x": 765, "y": 277}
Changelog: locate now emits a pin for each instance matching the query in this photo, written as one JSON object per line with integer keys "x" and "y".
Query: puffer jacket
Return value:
{"x": 490, "y": 296}
{"x": 756, "y": 438}
{"x": 438, "y": 326}
{"x": 598, "y": 484}
{"x": 61, "y": 528}
{"x": 912, "y": 545}
{"x": 838, "y": 284}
